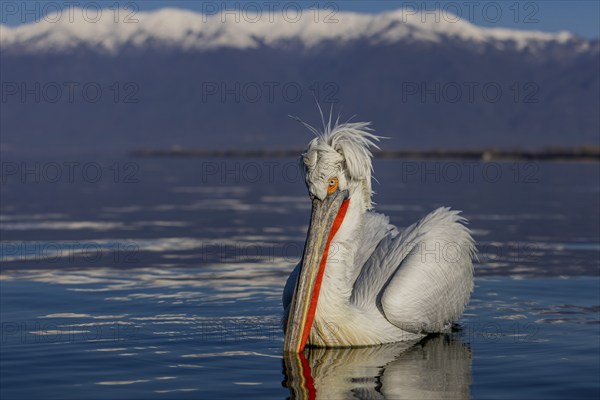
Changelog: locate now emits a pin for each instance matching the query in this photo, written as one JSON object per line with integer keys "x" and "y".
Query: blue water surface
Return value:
{"x": 169, "y": 286}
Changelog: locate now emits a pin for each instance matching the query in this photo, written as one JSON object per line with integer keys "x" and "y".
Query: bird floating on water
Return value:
{"x": 361, "y": 281}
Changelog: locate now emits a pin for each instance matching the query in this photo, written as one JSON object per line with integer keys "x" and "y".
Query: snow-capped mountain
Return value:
{"x": 174, "y": 77}
{"x": 195, "y": 31}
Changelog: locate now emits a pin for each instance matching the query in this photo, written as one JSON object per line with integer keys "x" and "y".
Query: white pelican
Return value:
{"x": 361, "y": 281}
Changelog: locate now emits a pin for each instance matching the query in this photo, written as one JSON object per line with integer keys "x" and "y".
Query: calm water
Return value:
{"x": 162, "y": 278}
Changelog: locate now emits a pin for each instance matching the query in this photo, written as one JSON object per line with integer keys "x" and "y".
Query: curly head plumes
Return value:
{"x": 343, "y": 151}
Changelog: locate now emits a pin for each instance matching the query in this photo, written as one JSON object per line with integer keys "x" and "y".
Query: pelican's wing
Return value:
{"x": 422, "y": 278}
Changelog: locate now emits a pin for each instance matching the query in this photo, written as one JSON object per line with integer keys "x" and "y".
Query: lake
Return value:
{"x": 162, "y": 278}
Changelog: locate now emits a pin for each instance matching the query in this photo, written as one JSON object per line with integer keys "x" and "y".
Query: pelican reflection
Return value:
{"x": 438, "y": 367}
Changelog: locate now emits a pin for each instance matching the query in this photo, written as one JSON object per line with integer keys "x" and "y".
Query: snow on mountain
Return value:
{"x": 424, "y": 83}
{"x": 189, "y": 30}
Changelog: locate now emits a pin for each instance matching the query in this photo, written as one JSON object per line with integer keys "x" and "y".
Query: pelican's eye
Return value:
{"x": 333, "y": 185}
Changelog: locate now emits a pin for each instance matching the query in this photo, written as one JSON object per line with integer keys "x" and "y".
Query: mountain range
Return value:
{"x": 179, "y": 78}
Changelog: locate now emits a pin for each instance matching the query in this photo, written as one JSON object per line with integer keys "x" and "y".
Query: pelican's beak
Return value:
{"x": 325, "y": 220}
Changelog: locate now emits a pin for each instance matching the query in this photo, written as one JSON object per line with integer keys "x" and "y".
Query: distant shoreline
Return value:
{"x": 574, "y": 154}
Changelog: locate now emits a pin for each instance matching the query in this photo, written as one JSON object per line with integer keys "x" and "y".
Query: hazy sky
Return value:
{"x": 579, "y": 16}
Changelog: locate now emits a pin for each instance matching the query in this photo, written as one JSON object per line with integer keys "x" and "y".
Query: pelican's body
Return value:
{"x": 361, "y": 281}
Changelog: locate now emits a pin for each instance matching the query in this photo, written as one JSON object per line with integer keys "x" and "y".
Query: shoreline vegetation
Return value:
{"x": 584, "y": 153}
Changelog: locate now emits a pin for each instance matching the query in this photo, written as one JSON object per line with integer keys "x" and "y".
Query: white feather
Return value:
{"x": 341, "y": 151}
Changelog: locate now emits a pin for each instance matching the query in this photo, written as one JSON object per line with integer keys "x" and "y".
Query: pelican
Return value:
{"x": 361, "y": 281}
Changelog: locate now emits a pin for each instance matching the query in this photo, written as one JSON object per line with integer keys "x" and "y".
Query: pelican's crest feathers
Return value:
{"x": 341, "y": 150}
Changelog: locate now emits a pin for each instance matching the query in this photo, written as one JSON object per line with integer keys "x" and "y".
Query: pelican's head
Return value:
{"x": 337, "y": 171}
{"x": 340, "y": 157}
